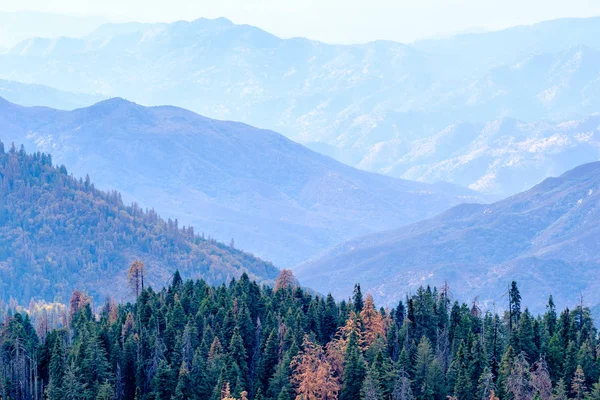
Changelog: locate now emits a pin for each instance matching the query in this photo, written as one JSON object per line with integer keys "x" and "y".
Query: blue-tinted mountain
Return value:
{"x": 39, "y": 95}
{"x": 22, "y": 25}
{"x": 481, "y": 51}
{"x": 274, "y": 197}
{"x": 365, "y": 105}
{"x": 499, "y": 156}
{"x": 546, "y": 238}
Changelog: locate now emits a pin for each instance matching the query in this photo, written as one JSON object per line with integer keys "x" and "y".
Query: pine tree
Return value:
{"x": 183, "y": 390}
{"x": 73, "y": 388}
{"x": 519, "y": 383}
{"x": 464, "y": 387}
{"x": 237, "y": 352}
{"x": 486, "y": 388}
{"x": 423, "y": 362}
{"x": 269, "y": 359}
{"x": 105, "y": 391}
{"x": 595, "y": 392}
{"x": 526, "y": 336}
{"x": 508, "y": 358}
{"x": 402, "y": 387}
{"x": 280, "y": 381}
{"x": 570, "y": 365}
{"x": 578, "y": 387}
{"x": 357, "y": 299}
{"x": 550, "y": 317}
{"x": 56, "y": 371}
{"x": 514, "y": 299}
{"x": 354, "y": 370}
{"x": 556, "y": 355}
{"x": 560, "y": 391}
{"x": 371, "y": 389}
{"x": 586, "y": 359}
{"x": 163, "y": 383}
{"x": 540, "y": 380}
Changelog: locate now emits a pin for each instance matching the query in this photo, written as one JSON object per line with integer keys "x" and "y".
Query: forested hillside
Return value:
{"x": 244, "y": 341}
{"x": 58, "y": 233}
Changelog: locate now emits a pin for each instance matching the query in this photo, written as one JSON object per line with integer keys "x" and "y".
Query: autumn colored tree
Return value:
{"x": 285, "y": 279}
{"x": 519, "y": 383}
{"x": 578, "y": 387}
{"x": 313, "y": 376}
{"x": 372, "y": 321}
{"x": 135, "y": 277}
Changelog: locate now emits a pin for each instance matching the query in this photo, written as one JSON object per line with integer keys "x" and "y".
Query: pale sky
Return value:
{"x": 338, "y": 21}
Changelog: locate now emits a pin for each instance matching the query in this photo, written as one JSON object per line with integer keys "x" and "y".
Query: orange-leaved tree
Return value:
{"x": 313, "y": 376}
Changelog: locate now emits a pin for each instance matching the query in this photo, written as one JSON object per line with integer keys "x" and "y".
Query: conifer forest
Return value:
{"x": 242, "y": 340}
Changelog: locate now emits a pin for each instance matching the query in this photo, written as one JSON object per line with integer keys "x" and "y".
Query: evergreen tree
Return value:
{"x": 514, "y": 301}
{"x": 357, "y": 299}
{"x": 73, "y": 388}
{"x": 402, "y": 387}
{"x": 578, "y": 388}
{"x": 526, "y": 336}
{"x": 371, "y": 389}
{"x": 354, "y": 370}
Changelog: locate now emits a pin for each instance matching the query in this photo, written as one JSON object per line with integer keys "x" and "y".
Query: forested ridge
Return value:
{"x": 59, "y": 233}
{"x": 191, "y": 340}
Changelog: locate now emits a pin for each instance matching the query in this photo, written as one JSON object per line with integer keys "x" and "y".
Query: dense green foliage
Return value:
{"x": 194, "y": 341}
{"x": 58, "y": 233}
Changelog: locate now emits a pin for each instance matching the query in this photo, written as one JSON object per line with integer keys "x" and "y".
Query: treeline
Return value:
{"x": 245, "y": 341}
{"x": 59, "y": 233}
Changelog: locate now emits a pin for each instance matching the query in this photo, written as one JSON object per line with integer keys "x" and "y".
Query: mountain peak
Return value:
{"x": 221, "y": 21}
{"x": 112, "y": 104}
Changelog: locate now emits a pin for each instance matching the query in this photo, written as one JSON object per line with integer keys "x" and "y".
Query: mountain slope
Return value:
{"x": 500, "y": 156}
{"x": 39, "y": 95}
{"x": 362, "y": 104}
{"x": 59, "y": 233}
{"x": 547, "y": 238}
{"x": 275, "y": 197}
{"x": 481, "y": 51}
{"x": 21, "y": 25}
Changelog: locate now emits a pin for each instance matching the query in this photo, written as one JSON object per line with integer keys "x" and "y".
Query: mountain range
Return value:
{"x": 499, "y": 157}
{"x": 273, "y": 197}
{"x": 367, "y": 105}
{"x": 545, "y": 238}
{"x": 22, "y": 25}
{"x": 60, "y": 233}
{"x": 27, "y": 94}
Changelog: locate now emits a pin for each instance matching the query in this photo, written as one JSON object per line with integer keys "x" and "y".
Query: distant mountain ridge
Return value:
{"x": 39, "y": 95}
{"x": 362, "y": 104}
{"x": 545, "y": 238}
{"x": 274, "y": 197}
{"x": 59, "y": 233}
{"x": 500, "y": 156}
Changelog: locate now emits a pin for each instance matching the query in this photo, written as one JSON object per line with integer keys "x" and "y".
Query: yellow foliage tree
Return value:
{"x": 313, "y": 375}
{"x": 286, "y": 279}
{"x": 226, "y": 393}
{"x": 135, "y": 277}
{"x": 372, "y": 321}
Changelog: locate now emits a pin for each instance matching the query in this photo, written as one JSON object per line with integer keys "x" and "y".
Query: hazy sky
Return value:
{"x": 341, "y": 21}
